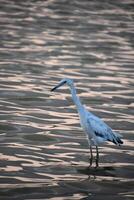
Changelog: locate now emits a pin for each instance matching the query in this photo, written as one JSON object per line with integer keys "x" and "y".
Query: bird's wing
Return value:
{"x": 101, "y": 129}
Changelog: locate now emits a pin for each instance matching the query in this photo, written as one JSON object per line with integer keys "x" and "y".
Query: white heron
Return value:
{"x": 96, "y": 130}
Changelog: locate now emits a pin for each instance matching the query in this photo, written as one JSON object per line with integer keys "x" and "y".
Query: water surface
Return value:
{"x": 44, "y": 153}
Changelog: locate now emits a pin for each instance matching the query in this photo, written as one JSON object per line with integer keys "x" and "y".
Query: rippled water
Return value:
{"x": 43, "y": 152}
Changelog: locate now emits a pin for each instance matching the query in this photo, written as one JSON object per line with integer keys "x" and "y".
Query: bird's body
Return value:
{"x": 96, "y": 130}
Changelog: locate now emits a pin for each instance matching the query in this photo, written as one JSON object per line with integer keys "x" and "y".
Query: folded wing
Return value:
{"x": 102, "y": 130}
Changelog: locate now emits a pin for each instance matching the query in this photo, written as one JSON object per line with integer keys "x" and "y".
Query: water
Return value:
{"x": 44, "y": 153}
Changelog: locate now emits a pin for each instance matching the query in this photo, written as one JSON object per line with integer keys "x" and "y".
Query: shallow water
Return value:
{"x": 44, "y": 153}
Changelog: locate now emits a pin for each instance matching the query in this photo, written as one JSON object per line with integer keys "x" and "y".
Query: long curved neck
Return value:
{"x": 75, "y": 98}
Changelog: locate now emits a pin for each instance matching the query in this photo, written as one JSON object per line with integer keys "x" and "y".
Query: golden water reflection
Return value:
{"x": 44, "y": 152}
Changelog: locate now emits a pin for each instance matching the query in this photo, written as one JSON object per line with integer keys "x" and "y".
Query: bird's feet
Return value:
{"x": 91, "y": 162}
{"x": 97, "y": 163}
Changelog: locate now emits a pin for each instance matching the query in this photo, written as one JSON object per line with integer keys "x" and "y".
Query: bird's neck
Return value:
{"x": 76, "y": 99}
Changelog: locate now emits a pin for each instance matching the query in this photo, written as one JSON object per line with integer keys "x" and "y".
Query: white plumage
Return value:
{"x": 97, "y": 131}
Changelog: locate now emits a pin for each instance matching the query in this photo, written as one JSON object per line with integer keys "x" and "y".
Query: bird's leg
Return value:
{"x": 97, "y": 157}
{"x": 91, "y": 156}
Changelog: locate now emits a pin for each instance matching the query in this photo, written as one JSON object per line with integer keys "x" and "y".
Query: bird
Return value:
{"x": 96, "y": 130}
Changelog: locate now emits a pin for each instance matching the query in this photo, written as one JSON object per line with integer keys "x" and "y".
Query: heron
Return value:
{"x": 96, "y": 130}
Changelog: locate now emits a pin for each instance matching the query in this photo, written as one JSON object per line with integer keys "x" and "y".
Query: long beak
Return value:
{"x": 57, "y": 86}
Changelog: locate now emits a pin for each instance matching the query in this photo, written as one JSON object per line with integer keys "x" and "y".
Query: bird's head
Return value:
{"x": 67, "y": 81}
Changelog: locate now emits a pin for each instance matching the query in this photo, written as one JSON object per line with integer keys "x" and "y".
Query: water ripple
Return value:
{"x": 43, "y": 151}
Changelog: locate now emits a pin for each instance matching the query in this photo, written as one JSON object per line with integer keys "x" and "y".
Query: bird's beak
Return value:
{"x": 59, "y": 85}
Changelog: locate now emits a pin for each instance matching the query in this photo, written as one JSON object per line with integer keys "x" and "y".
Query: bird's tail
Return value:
{"x": 117, "y": 140}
